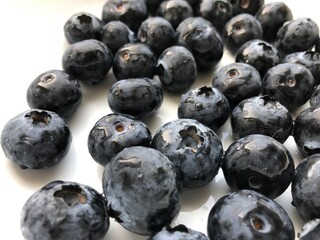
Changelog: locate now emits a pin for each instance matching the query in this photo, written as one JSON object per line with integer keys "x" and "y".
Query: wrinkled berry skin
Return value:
{"x": 130, "y": 12}
{"x": 207, "y": 105}
{"x": 290, "y": 83}
{"x": 305, "y": 188}
{"x": 258, "y": 53}
{"x": 249, "y": 215}
{"x": 237, "y": 81}
{"x": 259, "y": 163}
{"x": 306, "y": 131}
{"x": 134, "y": 60}
{"x": 56, "y": 91}
{"x": 310, "y": 230}
{"x": 143, "y": 192}
{"x": 65, "y": 210}
{"x": 244, "y": 6}
{"x": 89, "y": 61}
{"x": 261, "y": 115}
{"x": 239, "y": 30}
{"x": 179, "y": 232}
{"x": 272, "y": 16}
{"x": 177, "y": 69}
{"x": 36, "y": 139}
{"x": 314, "y": 100}
{"x": 202, "y": 39}
{"x": 114, "y": 132}
{"x": 289, "y": 36}
{"x": 194, "y": 148}
{"x": 116, "y": 34}
{"x": 139, "y": 97}
{"x": 82, "y": 26}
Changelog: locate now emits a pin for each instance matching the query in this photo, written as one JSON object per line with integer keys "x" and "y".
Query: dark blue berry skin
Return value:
{"x": 261, "y": 115}
{"x": 239, "y": 30}
{"x": 82, "y": 26}
{"x": 306, "y": 131}
{"x": 114, "y": 132}
{"x": 258, "y": 53}
{"x": 305, "y": 188}
{"x": 237, "y": 81}
{"x": 116, "y": 34}
{"x": 138, "y": 97}
{"x": 177, "y": 69}
{"x": 289, "y": 36}
{"x": 259, "y": 163}
{"x": 244, "y": 6}
{"x": 175, "y": 11}
{"x": 272, "y": 16}
{"x": 314, "y": 100}
{"x": 290, "y": 83}
{"x": 179, "y": 232}
{"x": 194, "y": 148}
{"x": 36, "y": 139}
{"x": 310, "y": 230}
{"x": 157, "y": 33}
{"x": 142, "y": 189}
{"x": 249, "y": 215}
{"x": 152, "y": 6}
{"x": 134, "y": 60}
{"x": 202, "y": 39}
{"x": 89, "y": 61}
{"x": 130, "y": 12}
{"x": 207, "y": 105}
{"x": 65, "y": 210}
{"x": 56, "y": 91}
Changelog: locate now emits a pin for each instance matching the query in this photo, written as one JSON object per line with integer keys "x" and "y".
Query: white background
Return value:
{"x": 32, "y": 42}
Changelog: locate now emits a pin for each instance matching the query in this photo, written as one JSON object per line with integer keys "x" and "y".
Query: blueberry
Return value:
{"x": 134, "y": 60}
{"x": 207, "y": 105}
{"x": 36, "y": 139}
{"x": 261, "y": 115}
{"x": 314, "y": 100}
{"x": 89, "y": 61}
{"x": 143, "y": 192}
{"x": 177, "y": 69}
{"x": 56, "y": 91}
{"x": 114, "y": 132}
{"x": 249, "y": 215}
{"x": 82, "y": 26}
{"x": 195, "y": 150}
{"x": 202, "y": 39}
{"x": 65, "y": 210}
{"x": 304, "y": 188}
{"x": 260, "y": 163}
{"x": 310, "y": 230}
{"x": 246, "y": 6}
{"x": 139, "y": 97}
{"x": 290, "y": 83}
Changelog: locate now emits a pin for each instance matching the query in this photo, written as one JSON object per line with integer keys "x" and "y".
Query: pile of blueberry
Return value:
{"x": 154, "y": 48}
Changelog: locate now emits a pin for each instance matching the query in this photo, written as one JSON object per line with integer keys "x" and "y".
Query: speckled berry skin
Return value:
{"x": 65, "y": 210}
{"x": 194, "y": 148}
{"x": 114, "y": 132}
{"x": 310, "y": 230}
{"x": 179, "y": 232}
{"x": 304, "y": 188}
{"x": 36, "y": 139}
{"x": 314, "y": 100}
{"x": 249, "y": 215}
{"x": 260, "y": 163}
{"x": 143, "y": 192}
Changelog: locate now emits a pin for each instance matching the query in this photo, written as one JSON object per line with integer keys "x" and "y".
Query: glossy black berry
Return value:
{"x": 207, "y": 105}
{"x": 202, "y": 39}
{"x": 179, "y": 232}
{"x": 177, "y": 69}
{"x": 261, "y": 115}
{"x": 194, "y": 148}
{"x": 139, "y": 97}
{"x": 36, "y": 139}
{"x": 249, "y": 215}
{"x": 89, "y": 61}
{"x": 305, "y": 188}
{"x": 65, "y": 210}
{"x": 142, "y": 190}
{"x": 114, "y": 132}
{"x": 246, "y": 6}
{"x": 310, "y": 230}
{"x": 56, "y": 91}
{"x": 134, "y": 60}
{"x": 314, "y": 100}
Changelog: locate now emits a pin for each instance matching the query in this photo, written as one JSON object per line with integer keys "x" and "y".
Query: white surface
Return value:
{"x": 32, "y": 42}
